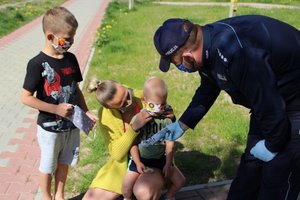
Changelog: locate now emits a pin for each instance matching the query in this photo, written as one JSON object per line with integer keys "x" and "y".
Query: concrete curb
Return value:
{"x": 206, "y": 185}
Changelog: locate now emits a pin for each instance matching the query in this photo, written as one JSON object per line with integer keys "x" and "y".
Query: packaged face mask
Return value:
{"x": 81, "y": 120}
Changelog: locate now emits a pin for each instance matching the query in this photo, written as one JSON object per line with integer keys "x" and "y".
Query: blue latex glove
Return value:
{"x": 171, "y": 132}
{"x": 261, "y": 152}
{"x": 175, "y": 131}
{"x": 156, "y": 138}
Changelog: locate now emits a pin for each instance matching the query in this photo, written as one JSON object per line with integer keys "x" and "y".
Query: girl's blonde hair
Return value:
{"x": 105, "y": 90}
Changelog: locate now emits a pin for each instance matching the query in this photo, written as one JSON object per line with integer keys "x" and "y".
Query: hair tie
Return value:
{"x": 98, "y": 83}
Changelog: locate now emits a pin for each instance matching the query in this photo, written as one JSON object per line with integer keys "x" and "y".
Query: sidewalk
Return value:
{"x": 210, "y": 191}
{"x": 19, "y": 150}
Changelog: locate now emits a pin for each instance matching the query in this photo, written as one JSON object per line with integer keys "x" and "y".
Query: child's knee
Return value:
{"x": 142, "y": 193}
{"x": 182, "y": 181}
{"x": 179, "y": 180}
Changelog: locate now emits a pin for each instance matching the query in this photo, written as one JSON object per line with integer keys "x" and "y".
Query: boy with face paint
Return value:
{"x": 156, "y": 158}
{"x": 54, "y": 75}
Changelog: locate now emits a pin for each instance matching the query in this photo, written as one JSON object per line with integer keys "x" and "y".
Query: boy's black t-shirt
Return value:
{"x": 54, "y": 81}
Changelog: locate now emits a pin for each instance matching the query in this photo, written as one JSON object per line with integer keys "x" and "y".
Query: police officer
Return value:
{"x": 256, "y": 60}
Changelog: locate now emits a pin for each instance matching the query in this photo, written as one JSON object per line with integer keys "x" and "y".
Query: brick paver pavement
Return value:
{"x": 19, "y": 150}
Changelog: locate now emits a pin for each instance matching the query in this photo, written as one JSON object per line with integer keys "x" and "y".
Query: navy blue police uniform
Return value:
{"x": 256, "y": 60}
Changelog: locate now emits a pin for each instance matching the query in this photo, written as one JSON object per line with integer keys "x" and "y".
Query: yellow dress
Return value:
{"x": 118, "y": 142}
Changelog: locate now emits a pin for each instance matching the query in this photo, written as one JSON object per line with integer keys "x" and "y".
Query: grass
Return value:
{"x": 124, "y": 51}
{"x": 290, "y": 2}
{"x": 13, "y": 17}
{"x": 3, "y": 2}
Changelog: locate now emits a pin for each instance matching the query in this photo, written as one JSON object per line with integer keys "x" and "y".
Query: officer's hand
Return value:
{"x": 174, "y": 131}
{"x": 261, "y": 152}
{"x": 171, "y": 132}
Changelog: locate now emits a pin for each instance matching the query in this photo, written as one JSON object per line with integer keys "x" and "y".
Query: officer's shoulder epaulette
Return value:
{"x": 227, "y": 43}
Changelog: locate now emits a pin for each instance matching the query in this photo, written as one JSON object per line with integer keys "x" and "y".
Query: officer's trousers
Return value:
{"x": 278, "y": 179}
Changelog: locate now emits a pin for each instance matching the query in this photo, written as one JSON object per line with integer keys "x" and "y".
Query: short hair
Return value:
{"x": 191, "y": 42}
{"x": 105, "y": 90}
{"x": 58, "y": 20}
{"x": 155, "y": 86}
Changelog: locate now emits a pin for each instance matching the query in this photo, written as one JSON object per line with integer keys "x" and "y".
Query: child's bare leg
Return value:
{"x": 45, "y": 183}
{"x": 100, "y": 194}
{"x": 177, "y": 181}
{"x": 128, "y": 183}
{"x": 60, "y": 180}
{"x": 149, "y": 185}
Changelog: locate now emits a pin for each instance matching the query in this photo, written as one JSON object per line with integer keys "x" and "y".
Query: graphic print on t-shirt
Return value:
{"x": 52, "y": 84}
{"x": 152, "y": 127}
{"x": 52, "y": 81}
{"x": 156, "y": 150}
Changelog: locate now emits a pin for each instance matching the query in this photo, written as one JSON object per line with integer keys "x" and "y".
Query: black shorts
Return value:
{"x": 152, "y": 163}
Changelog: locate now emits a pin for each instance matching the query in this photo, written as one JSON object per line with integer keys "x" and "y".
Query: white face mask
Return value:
{"x": 132, "y": 102}
{"x": 154, "y": 109}
{"x": 62, "y": 46}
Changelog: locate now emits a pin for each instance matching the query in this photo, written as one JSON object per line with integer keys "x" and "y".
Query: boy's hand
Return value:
{"x": 64, "y": 110}
{"x": 140, "y": 167}
{"x": 92, "y": 117}
{"x": 169, "y": 113}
